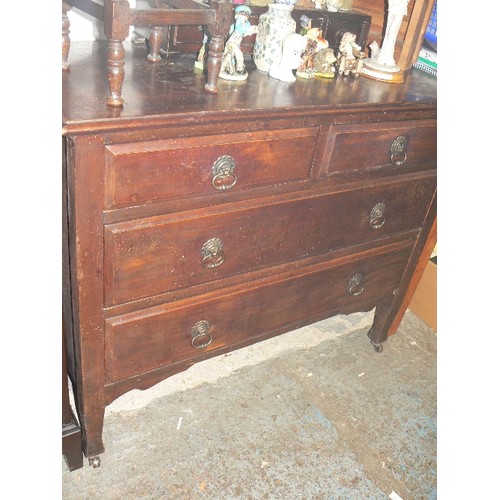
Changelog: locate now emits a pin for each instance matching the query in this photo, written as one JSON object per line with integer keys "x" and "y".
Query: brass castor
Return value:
{"x": 377, "y": 347}
{"x": 95, "y": 462}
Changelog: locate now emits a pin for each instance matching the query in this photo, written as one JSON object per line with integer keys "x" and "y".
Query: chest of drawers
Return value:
{"x": 197, "y": 224}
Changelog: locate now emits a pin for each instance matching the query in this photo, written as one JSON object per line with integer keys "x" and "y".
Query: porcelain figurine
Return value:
{"x": 233, "y": 64}
{"x": 397, "y": 10}
{"x": 381, "y": 65}
{"x": 293, "y": 45}
{"x": 324, "y": 63}
{"x": 350, "y": 57}
{"x": 314, "y": 43}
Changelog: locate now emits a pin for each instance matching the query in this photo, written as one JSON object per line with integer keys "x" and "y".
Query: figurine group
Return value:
{"x": 307, "y": 52}
{"x": 310, "y": 55}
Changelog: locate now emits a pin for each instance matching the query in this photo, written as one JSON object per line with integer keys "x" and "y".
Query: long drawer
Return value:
{"x": 138, "y": 173}
{"x": 143, "y": 341}
{"x": 151, "y": 257}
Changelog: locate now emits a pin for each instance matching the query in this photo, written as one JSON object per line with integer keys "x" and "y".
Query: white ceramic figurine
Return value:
{"x": 397, "y": 10}
{"x": 292, "y": 48}
{"x": 381, "y": 65}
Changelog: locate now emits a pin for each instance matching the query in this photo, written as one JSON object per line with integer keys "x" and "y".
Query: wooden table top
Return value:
{"x": 174, "y": 93}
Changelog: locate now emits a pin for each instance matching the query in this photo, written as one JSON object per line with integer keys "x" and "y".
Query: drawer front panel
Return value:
{"x": 394, "y": 147}
{"x": 153, "y": 258}
{"x": 140, "y": 342}
{"x": 160, "y": 170}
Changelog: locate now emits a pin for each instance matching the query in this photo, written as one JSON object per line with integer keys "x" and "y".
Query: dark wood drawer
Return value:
{"x": 376, "y": 146}
{"x": 143, "y": 341}
{"x": 138, "y": 173}
{"x": 168, "y": 253}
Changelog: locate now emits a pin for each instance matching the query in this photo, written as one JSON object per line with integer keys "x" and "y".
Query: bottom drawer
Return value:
{"x": 143, "y": 341}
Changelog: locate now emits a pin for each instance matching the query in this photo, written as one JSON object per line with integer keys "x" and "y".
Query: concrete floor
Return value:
{"x": 312, "y": 414}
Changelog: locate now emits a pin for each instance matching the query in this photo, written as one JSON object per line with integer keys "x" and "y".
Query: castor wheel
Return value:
{"x": 95, "y": 462}
{"x": 377, "y": 347}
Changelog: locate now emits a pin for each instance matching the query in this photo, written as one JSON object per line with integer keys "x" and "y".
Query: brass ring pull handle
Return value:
{"x": 212, "y": 253}
{"x": 377, "y": 216}
{"x": 356, "y": 285}
{"x": 398, "y": 150}
{"x": 200, "y": 335}
{"x": 223, "y": 173}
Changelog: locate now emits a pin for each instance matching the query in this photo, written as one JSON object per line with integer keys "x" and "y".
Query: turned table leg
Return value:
{"x": 155, "y": 39}
{"x": 116, "y": 72}
{"x": 218, "y": 33}
{"x": 66, "y": 42}
{"x": 116, "y": 28}
{"x": 214, "y": 63}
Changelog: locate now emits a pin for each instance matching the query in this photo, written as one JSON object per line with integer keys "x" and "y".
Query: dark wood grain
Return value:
{"x": 369, "y": 147}
{"x": 85, "y": 204}
{"x": 154, "y": 338}
{"x": 149, "y": 257}
{"x": 312, "y": 161}
{"x": 157, "y": 170}
{"x": 147, "y": 379}
{"x": 174, "y": 95}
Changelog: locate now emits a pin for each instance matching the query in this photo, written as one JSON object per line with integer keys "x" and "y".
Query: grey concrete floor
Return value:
{"x": 334, "y": 420}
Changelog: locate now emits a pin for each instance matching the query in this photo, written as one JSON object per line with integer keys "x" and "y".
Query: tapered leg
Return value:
{"x": 379, "y": 330}
{"x": 155, "y": 39}
{"x": 65, "y": 36}
{"x": 92, "y": 436}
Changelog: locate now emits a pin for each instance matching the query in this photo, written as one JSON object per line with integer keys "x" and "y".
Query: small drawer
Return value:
{"x": 140, "y": 342}
{"x": 373, "y": 147}
{"x": 139, "y": 173}
{"x": 168, "y": 253}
